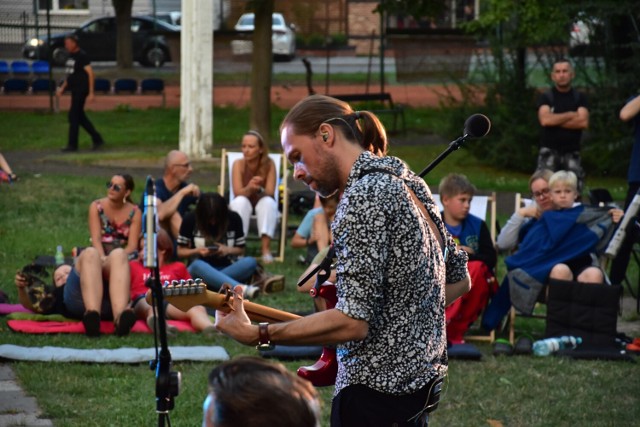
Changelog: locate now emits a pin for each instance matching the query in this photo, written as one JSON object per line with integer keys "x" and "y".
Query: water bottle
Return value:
{"x": 551, "y": 345}
{"x": 59, "y": 255}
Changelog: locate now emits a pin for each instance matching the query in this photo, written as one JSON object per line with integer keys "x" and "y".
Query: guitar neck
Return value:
{"x": 189, "y": 295}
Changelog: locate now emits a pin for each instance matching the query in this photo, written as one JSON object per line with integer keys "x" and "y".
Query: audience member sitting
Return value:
{"x": 562, "y": 239}
{"x": 213, "y": 239}
{"x": 522, "y": 219}
{"x": 319, "y": 236}
{"x": 254, "y": 185}
{"x": 253, "y": 392}
{"x": 169, "y": 270}
{"x": 175, "y": 195}
{"x": 114, "y": 221}
{"x": 91, "y": 290}
{"x": 472, "y": 235}
{"x": 563, "y": 186}
{"x": 6, "y": 174}
{"x": 302, "y": 238}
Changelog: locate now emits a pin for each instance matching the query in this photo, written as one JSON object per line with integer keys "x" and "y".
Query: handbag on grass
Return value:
{"x": 267, "y": 282}
{"x": 39, "y": 287}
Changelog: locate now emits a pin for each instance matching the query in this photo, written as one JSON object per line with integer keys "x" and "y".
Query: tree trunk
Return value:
{"x": 124, "y": 41}
{"x": 262, "y": 58}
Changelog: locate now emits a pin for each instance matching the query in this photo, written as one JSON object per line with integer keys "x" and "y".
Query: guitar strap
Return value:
{"x": 434, "y": 229}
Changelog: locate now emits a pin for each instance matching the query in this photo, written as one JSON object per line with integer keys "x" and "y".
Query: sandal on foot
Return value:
{"x": 502, "y": 347}
{"x": 524, "y": 345}
{"x": 91, "y": 322}
{"x": 125, "y": 322}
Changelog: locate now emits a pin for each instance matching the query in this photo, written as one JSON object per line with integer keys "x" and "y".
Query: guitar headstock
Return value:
{"x": 183, "y": 287}
{"x": 185, "y": 294}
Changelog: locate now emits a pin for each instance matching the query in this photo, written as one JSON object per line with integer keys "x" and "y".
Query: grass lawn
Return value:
{"x": 39, "y": 213}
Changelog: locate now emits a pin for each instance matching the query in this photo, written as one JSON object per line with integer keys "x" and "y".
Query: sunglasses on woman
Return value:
{"x": 116, "y": 187}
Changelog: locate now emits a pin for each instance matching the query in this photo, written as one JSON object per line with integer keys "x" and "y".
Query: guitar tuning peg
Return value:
{"x": 182, "y": 281}
{"x": 198, "y": 280}
{"x": 174, "y": 282}
{"x": 166, "y": 283}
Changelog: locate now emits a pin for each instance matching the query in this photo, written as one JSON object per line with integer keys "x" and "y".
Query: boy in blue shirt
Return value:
{"x": 472, "y": 235}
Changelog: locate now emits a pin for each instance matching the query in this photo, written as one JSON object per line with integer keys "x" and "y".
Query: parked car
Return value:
{"x": 283, "y": 36}
{"x": 174, "y": 17}
{"x": 98, "y": 38}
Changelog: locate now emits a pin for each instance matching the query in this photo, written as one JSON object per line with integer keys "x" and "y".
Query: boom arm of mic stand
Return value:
{"x": 453, "y": 146}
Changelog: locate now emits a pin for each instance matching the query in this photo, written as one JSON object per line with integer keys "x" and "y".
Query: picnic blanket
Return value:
{"x": 117, "y": 355}
{"x": 44, "y": 324}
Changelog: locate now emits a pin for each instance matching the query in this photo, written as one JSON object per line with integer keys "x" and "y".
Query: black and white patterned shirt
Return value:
{"x": 391, "y": 273}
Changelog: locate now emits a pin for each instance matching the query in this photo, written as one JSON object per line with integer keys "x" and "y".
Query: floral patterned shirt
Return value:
{"x": 391, "y": 273}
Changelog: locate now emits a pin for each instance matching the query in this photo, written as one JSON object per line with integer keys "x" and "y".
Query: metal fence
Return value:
{"x": 18, "y": 27}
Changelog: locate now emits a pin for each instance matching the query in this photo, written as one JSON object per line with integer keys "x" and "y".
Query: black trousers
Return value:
{"x": 78, "y": 118}
{"x": 359, "y": 406}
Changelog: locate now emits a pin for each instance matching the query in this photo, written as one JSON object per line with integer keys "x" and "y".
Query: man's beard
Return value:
{"x": 329, "y": 183}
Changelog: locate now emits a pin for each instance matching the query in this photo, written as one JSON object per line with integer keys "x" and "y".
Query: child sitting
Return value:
{"x": 563, "y": 186}
{"x": 472, "y": 235}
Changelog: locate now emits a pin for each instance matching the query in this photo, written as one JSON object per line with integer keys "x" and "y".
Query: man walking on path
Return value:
{"x": 80, "y": 82}
{"x": 563, "y": 114}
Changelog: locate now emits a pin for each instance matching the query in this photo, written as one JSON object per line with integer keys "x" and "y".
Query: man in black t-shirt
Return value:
{"x": 563, "y": 114}
{"x": 80, "y": 82}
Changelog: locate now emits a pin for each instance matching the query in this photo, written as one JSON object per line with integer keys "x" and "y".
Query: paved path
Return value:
{"x": 238, "y": 96}
{"x": 16, "y": 408}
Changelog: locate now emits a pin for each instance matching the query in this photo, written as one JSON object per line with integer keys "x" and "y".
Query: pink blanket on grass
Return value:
{"x": 13, "y": 308}
{"x": 106, "y": 327}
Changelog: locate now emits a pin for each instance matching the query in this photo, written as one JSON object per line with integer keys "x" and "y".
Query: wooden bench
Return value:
{"x": 397, "y": 110}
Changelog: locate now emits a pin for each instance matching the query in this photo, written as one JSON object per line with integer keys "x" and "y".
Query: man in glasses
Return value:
{"x": 175, "y": 194}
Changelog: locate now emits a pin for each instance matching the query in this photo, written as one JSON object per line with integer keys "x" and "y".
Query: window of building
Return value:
{"x": 64, "y": 5}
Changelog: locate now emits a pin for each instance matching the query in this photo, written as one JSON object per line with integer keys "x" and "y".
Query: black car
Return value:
{"x": 98, "y": 38}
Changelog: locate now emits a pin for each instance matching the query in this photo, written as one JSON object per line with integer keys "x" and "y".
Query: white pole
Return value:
{"x": 196, "y": 79}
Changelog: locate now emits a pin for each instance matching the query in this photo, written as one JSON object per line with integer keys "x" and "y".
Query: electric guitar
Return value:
{"x": 189, "y": 293}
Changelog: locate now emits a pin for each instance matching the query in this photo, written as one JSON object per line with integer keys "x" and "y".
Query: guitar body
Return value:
{"x": 323, "y": 372}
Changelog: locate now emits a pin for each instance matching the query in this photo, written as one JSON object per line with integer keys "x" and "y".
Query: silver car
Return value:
{"x": 283, "y": 36}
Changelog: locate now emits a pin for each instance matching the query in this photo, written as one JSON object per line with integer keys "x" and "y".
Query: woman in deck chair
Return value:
{"x": 254, "y": 186}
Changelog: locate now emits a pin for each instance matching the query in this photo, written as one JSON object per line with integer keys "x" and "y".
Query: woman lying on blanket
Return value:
{"x": 80, "y": 291}
{"x": 169, "y": 271}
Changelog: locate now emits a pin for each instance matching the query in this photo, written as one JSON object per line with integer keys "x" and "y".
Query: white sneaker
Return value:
{"x": 251, "y": 292}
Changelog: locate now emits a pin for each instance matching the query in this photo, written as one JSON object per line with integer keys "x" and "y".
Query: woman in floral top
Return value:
{"x": 115, "y": 221}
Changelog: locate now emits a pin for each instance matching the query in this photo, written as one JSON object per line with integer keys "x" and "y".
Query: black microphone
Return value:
{"x": 150, "y": 216}
{"x": 477, "y": 126}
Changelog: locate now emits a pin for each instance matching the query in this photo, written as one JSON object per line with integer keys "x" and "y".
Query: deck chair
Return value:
{"x": 281, "y": 192}
{"x": 481, "y": 206}
{"x": 597, "y": 199}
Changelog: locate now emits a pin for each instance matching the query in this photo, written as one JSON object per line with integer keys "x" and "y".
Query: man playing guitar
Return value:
{"x": 397, "y": 267}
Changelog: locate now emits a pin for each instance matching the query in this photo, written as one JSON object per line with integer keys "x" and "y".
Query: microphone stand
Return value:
{"x": 453, "y": 146}
{"x": 167, "y": 381}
